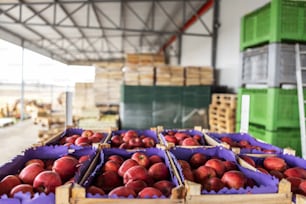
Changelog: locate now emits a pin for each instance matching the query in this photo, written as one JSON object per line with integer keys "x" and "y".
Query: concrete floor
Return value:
{"x": 16, "y": 138}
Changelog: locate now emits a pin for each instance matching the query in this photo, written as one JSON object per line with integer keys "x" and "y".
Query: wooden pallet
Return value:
{"x": 226, "y": 100}
{"x": 283, "y": 196}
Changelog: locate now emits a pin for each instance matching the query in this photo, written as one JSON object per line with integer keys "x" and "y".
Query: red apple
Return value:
{"x": 24, "y": 188}
{"x": 128, "y": 135}
{"x": 295, "y": 172}
{"x": 71, "y": 139}
{"x": 250, "y": 182}
{"x": 164, "y": 186}
{"x": 148, "y": 142}
{"x": 188, "y": 175}
{"x": 295, "y": 182}
{"x": 47, "y": 181}
{"x": 83, "y": 159}
{"x": 184, "y": 164}
{"x": 234, "y": 179}
{"x": 136, "y": 185}
{"x": 82, "y": 140}
{"x": 141, "y": 158}
{"x": 274, "y": 163}
{"x": 202, "y": 173}
{"x": 248, "y": 159}
{"x": 159, "y": 171}
{"x": 230, "y": 165}
{"x": 135, "y": 142}
{"x": 28, "y": 173}
{"x": 262, "y": 170}
{"x": 180, "y": 136}
{"x": 217, "y": 165}
{"x": 122, "y": 191}
{"x": 96, "y": 137}
{"x": 213, "y": 184}
{"x": 116, "y": 141}
{"x": 8, "y": 183}
{"x": 150, "y": 192}
{"x": 108, "y": 181}
{"x": 37, "y": 161}
{"x": 95, "y": 190}
{"x": 155, "y": 159}
{"x": 244, "y": 143}
{"x": 124, "y": 145}
{"x": 126, "y": 165}
{"x": 277, "y": 174}
{"x": 197, "y": 138}
{"x": 111, "y": 165}
{"x": 66, "y": 167}
{"x": 116, "y": 158}
{"x": 136, "y": 173}
{"x": 190, "y": 142}
{"x": 227, "y": 140}
{"x": 87, "y": 133}
{"x": 302, "y": 187}
{"x": 171, "y": 139}
{"x": 197, "y": 159}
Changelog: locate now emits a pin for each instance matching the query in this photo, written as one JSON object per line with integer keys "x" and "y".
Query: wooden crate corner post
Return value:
{"x": 62, "y": 194}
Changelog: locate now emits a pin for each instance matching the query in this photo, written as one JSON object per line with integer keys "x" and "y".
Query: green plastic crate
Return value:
{"x": 282, "y": 138}
{"x": 272, "y": 108}
{"x": 277, "y": 21}
{"x": 196, "y": 96}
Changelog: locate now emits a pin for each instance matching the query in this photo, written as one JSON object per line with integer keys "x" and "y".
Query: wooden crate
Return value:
{"x": 222, "y": 119}
{"x": 283, "y": 196}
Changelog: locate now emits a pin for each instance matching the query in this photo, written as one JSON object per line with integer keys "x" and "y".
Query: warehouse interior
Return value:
{"x": 230, "y": 76}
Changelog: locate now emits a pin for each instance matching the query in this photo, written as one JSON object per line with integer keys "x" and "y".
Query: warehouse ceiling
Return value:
{"x": 84, "y": 32}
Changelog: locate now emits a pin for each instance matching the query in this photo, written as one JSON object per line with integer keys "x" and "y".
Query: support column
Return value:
{"x": 22, "y": 85}
{"x": 68, "y": 114}
{"x": 216, "y": 25}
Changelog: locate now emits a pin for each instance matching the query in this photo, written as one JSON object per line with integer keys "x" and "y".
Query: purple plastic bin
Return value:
{"x": 44, "y": 152}
{"x": 266, "y": 183}
{"x": 189, "y": 132}
{"x": 244, "y": 136}
{"x": 148, "y": 133}
{"x": 126, "y": 154}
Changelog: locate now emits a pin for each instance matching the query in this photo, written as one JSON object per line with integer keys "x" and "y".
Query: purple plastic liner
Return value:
{"x": 72, "y": 131}
{"x": 266, "y": 183}
{"x": 291, "y": 160}
{"x": 126, "y": 154}
{"x": 189, "y": 132}
{"x": 148, "y": 133}
{"x": 44, "y": 152}
{"x": 244, "y": 136}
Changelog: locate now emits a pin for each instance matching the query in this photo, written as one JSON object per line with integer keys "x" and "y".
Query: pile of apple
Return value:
{"x": 214, "y": 173}
{"x": 130, "y": 139}
{"x": 183, "y": 138}
{"x": 279, "y": 168}
{"x": 244, "y": 144}
{"x": 41, "y": 176}
{"x": 140, "y": 176}
{"x": 86, "y": 138}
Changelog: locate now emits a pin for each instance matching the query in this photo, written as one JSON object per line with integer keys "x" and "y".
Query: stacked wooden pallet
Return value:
{"x": 222, "y": 112}
{"x": 169, "y": 75}
{"x": 199, "y": 76}
{"x": 139, "y": 75}
{"x": 84, "y": 97}
{"x": 145, "y": 59}
{"x": 108, "y": 80}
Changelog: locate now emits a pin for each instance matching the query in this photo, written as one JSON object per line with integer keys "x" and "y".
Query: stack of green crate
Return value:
{"x": 273, "y": 116}
{"x": 274, "y": 112}
{"x": 143, "y": 107}
{"x": 136, "y": 107}
{"x": 195, "y": 103}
